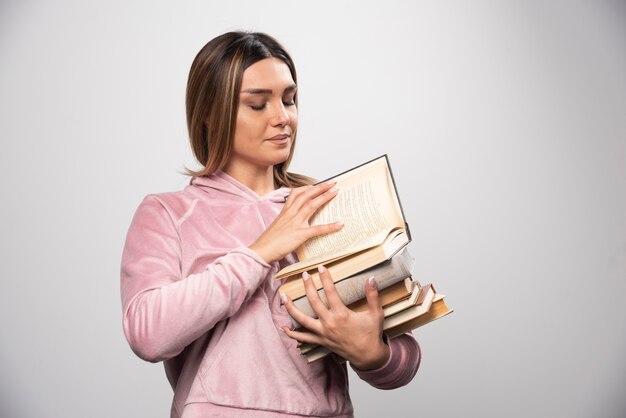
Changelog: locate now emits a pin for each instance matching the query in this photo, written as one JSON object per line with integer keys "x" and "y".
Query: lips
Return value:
{"x": 279, "y": 137}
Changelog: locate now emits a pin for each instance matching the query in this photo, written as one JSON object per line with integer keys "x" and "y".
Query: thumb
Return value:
{"x": 371, "y": 294}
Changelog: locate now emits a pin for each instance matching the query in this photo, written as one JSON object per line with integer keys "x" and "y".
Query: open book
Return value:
{"x": 374, "y": 228}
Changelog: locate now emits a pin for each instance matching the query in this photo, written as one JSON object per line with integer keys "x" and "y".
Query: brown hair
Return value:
{"x": 213, "y": 99}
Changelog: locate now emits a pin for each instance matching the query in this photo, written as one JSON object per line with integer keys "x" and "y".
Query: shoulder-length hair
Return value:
{"x": 212, "y": 99}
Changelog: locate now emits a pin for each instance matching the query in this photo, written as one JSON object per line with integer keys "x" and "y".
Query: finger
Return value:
{"x": 301, "y": 336}
{"x": 310, "y": 207}
{"x": 316, "y": 302}
{"x": 303, "y": 319}
{"x": 334, "y": 301}
{"x": 317, "y": 230}
{"x": 294, "y": 193}
{"x": 308, "y": 193}
{"x": 371, "y": 294}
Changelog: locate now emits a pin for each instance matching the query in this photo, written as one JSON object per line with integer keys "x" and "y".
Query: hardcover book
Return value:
{"x": 374, "y": 229}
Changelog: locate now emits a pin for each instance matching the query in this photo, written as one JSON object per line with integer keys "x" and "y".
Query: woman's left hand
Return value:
{"x": 355, "y": 336}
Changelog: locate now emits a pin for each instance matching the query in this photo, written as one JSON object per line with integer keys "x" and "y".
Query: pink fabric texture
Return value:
{"x": 197, "y": 298}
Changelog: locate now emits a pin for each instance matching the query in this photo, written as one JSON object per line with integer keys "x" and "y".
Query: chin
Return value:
{"x": 270, "y": 156}
{"x": 281, "y": 156}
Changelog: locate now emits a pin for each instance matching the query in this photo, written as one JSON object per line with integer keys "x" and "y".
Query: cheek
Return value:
{"x": 246, "y": 130}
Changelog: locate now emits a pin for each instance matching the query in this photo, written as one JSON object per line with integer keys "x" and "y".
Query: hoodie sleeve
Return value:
{"x": 164, "y": 312}
{"x": 401, "y": 367}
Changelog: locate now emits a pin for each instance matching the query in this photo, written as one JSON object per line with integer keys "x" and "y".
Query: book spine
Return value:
{"x": 352, "y": 288}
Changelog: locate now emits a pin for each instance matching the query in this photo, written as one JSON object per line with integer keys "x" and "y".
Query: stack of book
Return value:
{"x": 372, "y": 243}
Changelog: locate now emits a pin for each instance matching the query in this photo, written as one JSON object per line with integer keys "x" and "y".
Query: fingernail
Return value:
{"x": 283, "y": 329}
{"x": 372, "y": 283}
{"x": 331, "y": 182}
{"x": 334, "y": 190}
{"x": 305, "y": 276}
{"x": 321, "y": 269}
{"x": 339, "y": 223}
{"x": 283, "y": 298}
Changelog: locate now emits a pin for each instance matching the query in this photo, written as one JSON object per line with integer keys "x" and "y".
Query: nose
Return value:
{"x": 280, "y": 116}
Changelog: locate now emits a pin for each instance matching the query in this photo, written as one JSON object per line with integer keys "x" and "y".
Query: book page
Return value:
{"x": 365, "y": 203}
{"x": 330, "y": 257}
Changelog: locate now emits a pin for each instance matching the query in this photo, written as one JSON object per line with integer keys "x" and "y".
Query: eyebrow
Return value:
{"x": 288, "y": 89}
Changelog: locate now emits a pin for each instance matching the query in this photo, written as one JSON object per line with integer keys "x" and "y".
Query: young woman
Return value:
{"x": 197, "y": 283}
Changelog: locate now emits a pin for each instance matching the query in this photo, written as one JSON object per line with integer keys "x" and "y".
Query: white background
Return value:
{"x": 505, "y": 123}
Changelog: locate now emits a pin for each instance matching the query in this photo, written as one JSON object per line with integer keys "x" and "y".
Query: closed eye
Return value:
{"x": 264, "y": 105}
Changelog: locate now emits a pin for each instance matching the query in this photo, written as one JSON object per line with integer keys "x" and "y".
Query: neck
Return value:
{"x": 258, "y": 179}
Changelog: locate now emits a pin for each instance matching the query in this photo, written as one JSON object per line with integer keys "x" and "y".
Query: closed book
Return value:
{"x": 390, "y": 296}
{"x": 352, "y": 289}
{"x": 416, "y": 319}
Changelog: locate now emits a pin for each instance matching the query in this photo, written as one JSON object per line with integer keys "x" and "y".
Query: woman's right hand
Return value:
{"x": 291, "y": 227}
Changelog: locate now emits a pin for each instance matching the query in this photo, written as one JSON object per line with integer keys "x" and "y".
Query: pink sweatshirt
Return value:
{"x": 197, "y": 298}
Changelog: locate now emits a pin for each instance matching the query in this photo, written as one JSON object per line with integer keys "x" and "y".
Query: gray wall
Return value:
{"x": 505, "y": 125}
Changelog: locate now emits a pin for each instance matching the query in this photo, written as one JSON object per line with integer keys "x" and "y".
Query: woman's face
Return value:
{"x": 267, "y": 116}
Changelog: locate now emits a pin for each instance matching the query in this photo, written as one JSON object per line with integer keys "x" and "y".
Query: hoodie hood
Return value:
{"x": 222, "y": 182}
